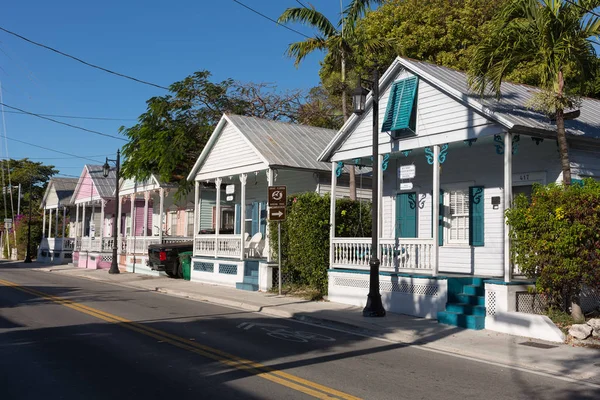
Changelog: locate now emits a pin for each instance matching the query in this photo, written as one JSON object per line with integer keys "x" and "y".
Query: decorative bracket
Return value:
{"x": 422, "y": 200}
{"x": 384, "y": 164}
{"x": 499, "y": 144}
{"x": 429, "y": 155}
{"x": 469, "y": 142}
{"x": 406, "y": 152}
{"x": 537, "y": 140}
{"x": 477, "y": 195}
{"x": 515, "y": 144}
{"x": 443, "y": 153}
{"x": 339, "y": 168}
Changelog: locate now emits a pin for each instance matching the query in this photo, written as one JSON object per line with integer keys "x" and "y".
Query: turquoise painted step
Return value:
{"x": 473, "y": 290}
{"x": 251, "y": 279}
{"x": 254, "y": 273}
{"x": 477, "y": 282}
{"x": 467, "y": 298}
{"x": 464, "y": 308}
{"x": 246, "y": 286}
{"x": 476, "y": 322}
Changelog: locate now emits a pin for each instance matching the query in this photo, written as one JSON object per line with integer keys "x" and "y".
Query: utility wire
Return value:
{"x": 264, "y": 16}
{"x": 583, "y": 8}
{"x": 53, "y": 158}
{"x": 49, "y": 149}
{"x": 82, "y": 61}
{"x": 76, "y": 117}
{"x": 302, "y": 4}
{"x": 64, "y": 123}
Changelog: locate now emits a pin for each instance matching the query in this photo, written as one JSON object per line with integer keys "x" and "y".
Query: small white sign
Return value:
{"x": 229, "y": 198}
{"x": 407, "y": 171}
{"x": 230, "y": 189}
{"x": 406, "y": 186}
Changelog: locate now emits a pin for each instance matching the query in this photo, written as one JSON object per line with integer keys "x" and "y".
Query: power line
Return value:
{"x": 77, "y": 117}
{"x": 269, "y": 18}
{"x": 53, "y": 158}
{"x": 64, "y": 123}
{"x": 82, "y": 61}
{"x": 49, "y": 149}
{"x": 302, "y": 4}
{"x": 583, "y": 8}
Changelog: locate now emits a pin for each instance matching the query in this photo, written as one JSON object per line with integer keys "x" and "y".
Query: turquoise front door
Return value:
{"x": 406, "y": 215}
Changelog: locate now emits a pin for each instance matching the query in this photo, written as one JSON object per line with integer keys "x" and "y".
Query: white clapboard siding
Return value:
{"x": 51, "y": 199}
{"x": 585, "y": 162}
{"x": 437, "y": 113}
{"x": 230, "y": 151}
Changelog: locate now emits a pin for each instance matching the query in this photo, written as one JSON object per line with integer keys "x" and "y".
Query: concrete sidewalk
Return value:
{"x": 555, "y": 359}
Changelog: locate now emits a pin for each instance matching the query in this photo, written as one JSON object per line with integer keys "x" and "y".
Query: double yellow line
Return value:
{"x": 293, "y": 382}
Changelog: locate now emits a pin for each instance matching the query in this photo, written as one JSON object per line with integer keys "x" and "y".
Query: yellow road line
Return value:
{"x": 308, "y": 387}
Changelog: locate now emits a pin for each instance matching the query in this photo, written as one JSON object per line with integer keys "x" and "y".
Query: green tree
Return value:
{"x": 556, "y": 38}
{"x": 171, "y": 134}
{"x": 321, "y": 110}
{"x": 338, "y": 40}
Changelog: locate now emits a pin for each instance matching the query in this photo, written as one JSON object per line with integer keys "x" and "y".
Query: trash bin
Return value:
{"x": 185, "y": 264}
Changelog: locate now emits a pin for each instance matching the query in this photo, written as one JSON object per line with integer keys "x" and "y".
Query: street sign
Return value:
{"x": 276, "y": 213}
{"x": 7, "y": 223}
{"x": 407, "y": 172}
{"x": 277, "y": 196}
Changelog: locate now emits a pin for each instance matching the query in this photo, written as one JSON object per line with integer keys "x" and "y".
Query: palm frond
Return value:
{"x": 356, "y": 9}
{"x": 310, "y": 17}
{"x": 299, "y": 50}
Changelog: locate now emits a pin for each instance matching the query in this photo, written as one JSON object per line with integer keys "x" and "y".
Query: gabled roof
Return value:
{"x": 64, "y": 188}
{"x": 511, "y": 111}
{"x": 104, "y": 186}
{"x": 280, "y": 144}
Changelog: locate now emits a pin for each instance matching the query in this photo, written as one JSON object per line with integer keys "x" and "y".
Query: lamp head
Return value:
{"x": 105, "y": 169}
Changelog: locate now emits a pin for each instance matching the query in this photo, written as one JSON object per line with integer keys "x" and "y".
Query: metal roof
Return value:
{"x": 64, "y": 188}
{"x": 104, "y": 186}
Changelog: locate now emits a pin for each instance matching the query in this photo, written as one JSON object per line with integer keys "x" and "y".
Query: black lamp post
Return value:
{"x": 114, "y": 266}
{"x": 374, "y": 307}
{"x": 28, "y": 254}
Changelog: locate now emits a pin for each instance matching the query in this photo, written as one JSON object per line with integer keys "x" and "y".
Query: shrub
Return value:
{"x": 555, "y": 238}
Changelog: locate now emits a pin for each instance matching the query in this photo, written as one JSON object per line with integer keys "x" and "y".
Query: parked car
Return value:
{"x": 165, "y": 257}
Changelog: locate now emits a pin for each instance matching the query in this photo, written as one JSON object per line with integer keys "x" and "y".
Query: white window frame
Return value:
{"x": 189, "y": 212}
{"x": 448, "y": 219}
{"x": 173, "y": 221}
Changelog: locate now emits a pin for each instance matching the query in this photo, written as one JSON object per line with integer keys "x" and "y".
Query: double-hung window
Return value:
{"x": 458, "y": 216}
{"x": 462, "y": 216}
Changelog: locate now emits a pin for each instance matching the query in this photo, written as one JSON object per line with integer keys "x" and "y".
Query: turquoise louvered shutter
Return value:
{"x": 476, "y": 206}
{"x": 255, "y": 217}
{"x": 406, "y": 215}
{"x": 399, "y": 111}
{"x": 263, "y": 218}
{"x": 237, "y": 219}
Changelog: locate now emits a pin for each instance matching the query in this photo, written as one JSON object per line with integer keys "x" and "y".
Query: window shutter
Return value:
{"x": 237, "y": 219}
{"x": 476, "y": 206}
{"x": 263, "y": 218}
{"x": 406, "y": 215}
{"x": 400, "y": 105}
{"x": 255, "y": 217}
{"x": 441, "y": 220}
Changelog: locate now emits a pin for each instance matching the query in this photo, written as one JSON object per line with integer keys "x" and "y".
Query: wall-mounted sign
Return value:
{"x": 406, "y": 186}
{"x": 407, "y": 171}
{"x": 230, "y": 198}
{"x": 229, "y": 189}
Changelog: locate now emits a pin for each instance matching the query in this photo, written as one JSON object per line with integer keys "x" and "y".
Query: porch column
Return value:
{"x": 50, "y": 224}
{"x": 145, "y": 225}
{"x": 270, "y": 182}
{"x": 93, "y": 218}
{"x": 64, "y": 221}
{"x": 507, "y": 203}
{"x": 77, "y": 221}
{"x": 44, "y": 224}
{"x": 132, "y": 200}
{"x": 435, "y": 201}
{"x": 56, "y": 222}
{"x": 161, "y": 212}
{"x": 332, "y": 213}
{"x": 102, "y": 204}
{"x": 380, "y": 201}
{"x": 196, "y": 214}
{"x": 218, "y": 213}
{"x": 119, "y": 237}
{"x": 243, "y": 179}
{"x": 83, "y": 219}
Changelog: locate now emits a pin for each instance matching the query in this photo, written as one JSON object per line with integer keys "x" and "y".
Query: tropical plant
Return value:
{"x": 555, "y": 38}
{"x": 338, "y": 40}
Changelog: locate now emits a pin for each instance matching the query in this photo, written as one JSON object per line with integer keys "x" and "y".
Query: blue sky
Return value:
{"x": 157, "y": 41}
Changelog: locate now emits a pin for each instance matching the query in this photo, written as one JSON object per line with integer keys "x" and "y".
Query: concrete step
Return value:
{"x": 464, "y": 308}
{"x": 473, "y": 290}
{"x": 246, "y": 286}
{"x": 475, "y": 322}
{"x": 253, "y": 280}
{"x": 467, "y": 298}
{"x": 254, "y": 273}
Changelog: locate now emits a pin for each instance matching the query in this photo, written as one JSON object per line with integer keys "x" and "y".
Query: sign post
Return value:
{"x": 277, "y": 199}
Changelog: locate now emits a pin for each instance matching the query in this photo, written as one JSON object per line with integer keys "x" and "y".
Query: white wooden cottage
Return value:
{"x": 56, "y": 245}
{"x": 242, "y": 157}
{"x": 451, "y": 163}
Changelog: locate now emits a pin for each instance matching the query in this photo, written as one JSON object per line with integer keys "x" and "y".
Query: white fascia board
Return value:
{"x": 211, "y": 141}
{"x": 258, "y": 153}
{"x": 226, "y": 173}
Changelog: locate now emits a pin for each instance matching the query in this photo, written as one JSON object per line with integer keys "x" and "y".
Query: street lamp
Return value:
{"x": 28, "y": 254}
{"x": 374, "y": 307}
{"x": 114, "y": 266}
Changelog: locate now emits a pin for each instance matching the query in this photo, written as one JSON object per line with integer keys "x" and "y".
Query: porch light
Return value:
{"x": 105, "y": 168}
{"x": 359, "y": 98}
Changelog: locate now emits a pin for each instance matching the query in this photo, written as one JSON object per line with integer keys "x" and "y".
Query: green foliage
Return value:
{"x": 36, "y": 236}
{"x": 555, "y": 239}
{"x": 305, "y": 235}
{"x": 321, "y": 110}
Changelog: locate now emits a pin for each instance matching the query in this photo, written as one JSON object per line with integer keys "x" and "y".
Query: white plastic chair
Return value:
{"x": 253, "y": 244}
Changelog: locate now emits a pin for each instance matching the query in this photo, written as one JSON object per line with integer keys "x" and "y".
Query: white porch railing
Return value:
{"x": 402, "y": 254}
{"x": 89, "y": 244}
{"x": 139, "y": 244}
{"x": 57, "y": 244}
{"x": 224, "y": 246}
{"x": 176, "y": 239}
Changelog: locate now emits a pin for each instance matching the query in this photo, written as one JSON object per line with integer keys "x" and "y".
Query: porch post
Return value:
{"x": 435, "y": 201}
{"x": 270, "y": 182}
{"x": 76, "y": 221}
{"x": 243, "y": 179}
{"x": 332, "y": 213}
{"x": 119, "y": 237}
{"x": 380, "y": 202}
{"x": 83, "y": 219}
{"x": 44, "y": 223}
{"x": 102, "y": 204}
{"x": 56, "y": 222}
{"x": 93, "y": 217}
{"x": 196, "y": 213}
{"x": 133, "y": 211}
{"x": 145, "y": 225}
{"x": 50, "y": 224}
{"x": 218, "y": 214}
{"x": 161, "y": 210}
{"x": 507, "y": 203}
{"x": 64, "y": 221}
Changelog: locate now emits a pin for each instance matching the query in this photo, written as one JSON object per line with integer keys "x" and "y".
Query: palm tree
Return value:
{"x": 337, "y": 40}
{"x": 555, "y": 35}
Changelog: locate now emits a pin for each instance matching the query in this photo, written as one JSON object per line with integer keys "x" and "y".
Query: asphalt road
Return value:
{"x": 68, "y": 338}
